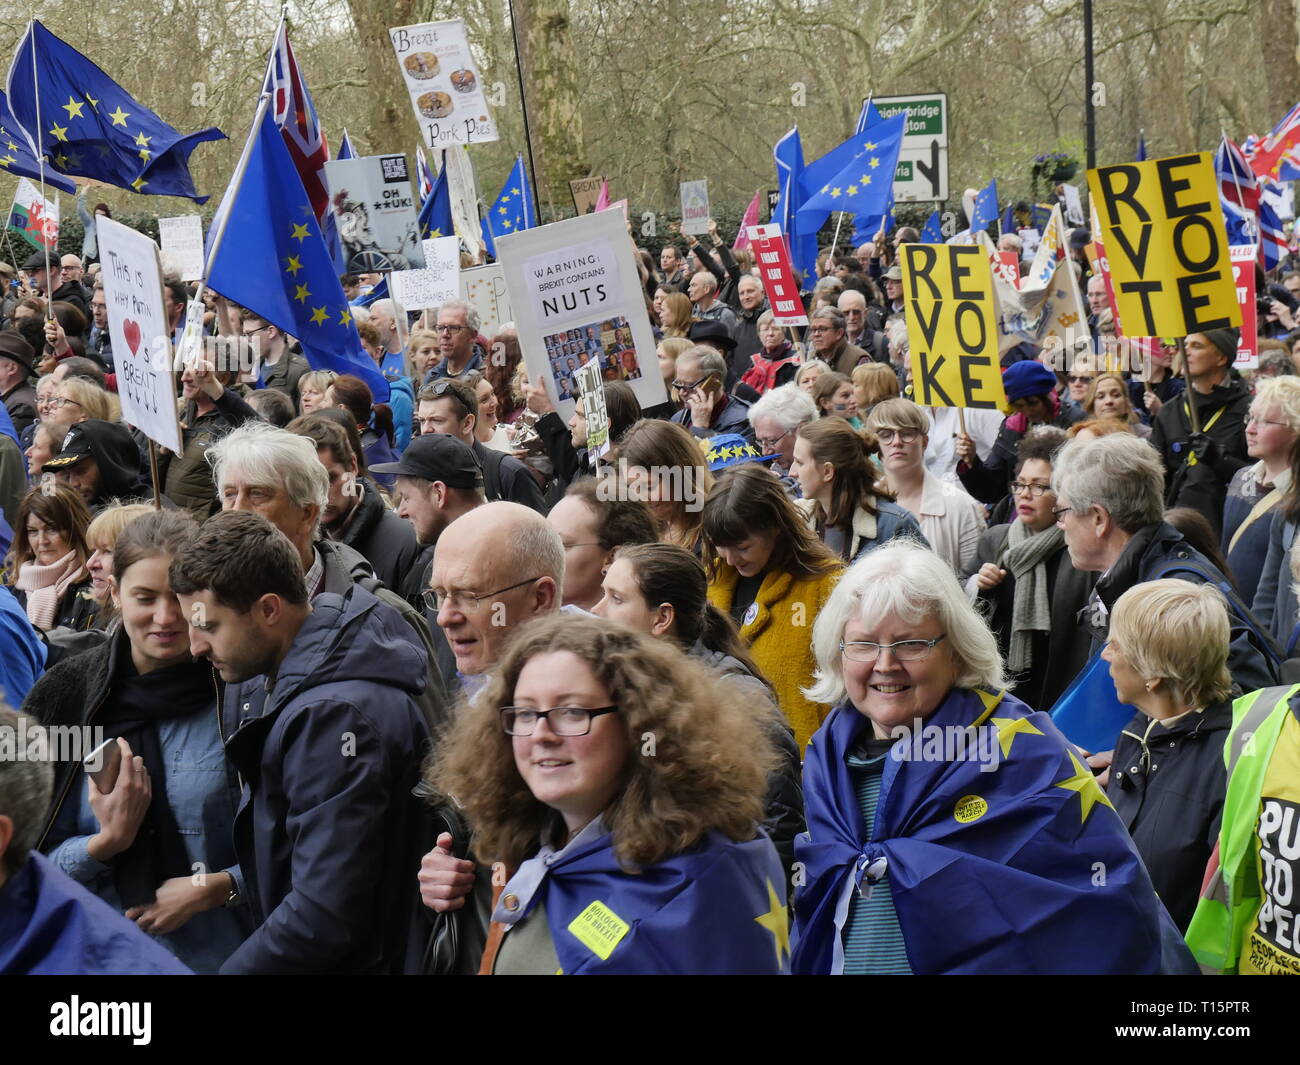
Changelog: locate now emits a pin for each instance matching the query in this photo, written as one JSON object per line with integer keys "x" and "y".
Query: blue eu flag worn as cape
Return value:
{"x": 273, "y": 261}
{"x": 991, "y": 872}
{"x": 89, "y": 126}
{"x": 510, "y": 212}
{"x": 18, "y": 157}
{"x": 717, "y": 908}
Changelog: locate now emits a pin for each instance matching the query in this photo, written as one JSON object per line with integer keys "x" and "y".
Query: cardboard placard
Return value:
{"x": 374, "y": 209}
{"x": 1243, "y": 273}
{"x": 443, "y": 83}
{"x": 695, "y": 207}
{"x": 436, "y": 283}
{"x": 182, "y": 246}
{"x": 773, "y": 259}
{"x": 484, "y": 289}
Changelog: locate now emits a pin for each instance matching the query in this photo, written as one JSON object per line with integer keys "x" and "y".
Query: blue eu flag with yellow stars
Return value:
{"x": 16, "y": 155}
{"x": 273, "y": 260}
{"x": 435, "y": 212}
{"x": 89, "y": 126}
{"x": 858, "y": 176}
{"x": 512, "y": 210}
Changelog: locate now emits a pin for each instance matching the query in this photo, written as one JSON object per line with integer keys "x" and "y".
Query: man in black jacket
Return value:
{"x": 101, "y": 461}
{"x": 1199, "y": 463}
{"x": 17, "y": 365}
{"x": 338, "y": 731}
{"x": 49, "y": 284}
{"x": 356, "y": 513}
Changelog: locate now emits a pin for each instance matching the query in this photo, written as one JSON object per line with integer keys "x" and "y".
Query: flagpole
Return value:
{"x": 523, "y": 102}
{"x": 40, "y": 162}
{"x": 1240, "y": 198}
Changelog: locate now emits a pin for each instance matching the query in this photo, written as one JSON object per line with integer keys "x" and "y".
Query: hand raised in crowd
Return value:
{"x": 445, "y": 880}
{"x": 120, "y": 810}
{"x": 1153, "y": 403}
{"x": 205, "y": 378}
{"x": 700, "y": 404}
{"x": 56, "y": 340}
{"x": 537, "y": 398}
{"x": 965, "y": 449}
{"x": 1283, "y": 313}
{"x": 990, "y": 576}
{"x": 176, "y": 901}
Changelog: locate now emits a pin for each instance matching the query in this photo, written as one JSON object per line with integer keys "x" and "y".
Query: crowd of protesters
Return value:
{"x": 422, "y": 686}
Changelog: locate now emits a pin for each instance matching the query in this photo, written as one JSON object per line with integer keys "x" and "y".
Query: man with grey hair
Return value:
{"x": 384, "y": 317}
{"x": 777, "y": 417}
{"x": 275, "y": 473}
{"x": 703, "y": 293}
{"x": 1110, "y": 505}
{"x": 50, "y": 924}
{"x": 830, "y": 343}
{"x": 459, "y": 351}
{"x": 858, "y": 330}
{"x": 707, "y": 408}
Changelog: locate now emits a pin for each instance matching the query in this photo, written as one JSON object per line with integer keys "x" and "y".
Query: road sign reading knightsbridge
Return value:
{"x": 922, "y": 172}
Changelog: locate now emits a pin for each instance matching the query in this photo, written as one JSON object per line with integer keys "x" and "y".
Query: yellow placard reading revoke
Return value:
{"x": 1167, "y": 247}
{"x": 952, "y": 326}
{"x": 599, "y": 929}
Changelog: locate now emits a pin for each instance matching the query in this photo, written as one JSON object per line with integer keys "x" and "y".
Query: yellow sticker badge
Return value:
{"x": 599, "y": 929}
{"x": 969, "y": 808}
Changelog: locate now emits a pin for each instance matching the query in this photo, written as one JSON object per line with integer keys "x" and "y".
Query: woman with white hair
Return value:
{"x": 777, "y": 416}
{"x": 950, "y": 828}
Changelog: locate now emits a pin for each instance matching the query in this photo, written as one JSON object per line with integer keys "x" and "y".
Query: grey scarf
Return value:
{"x": 1025, "y": 556}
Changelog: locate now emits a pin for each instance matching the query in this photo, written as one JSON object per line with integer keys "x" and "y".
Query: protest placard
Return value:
{"x": 577, "y": 298}
{"x": 1163, "y": 228}
{"x": 182, "y": 246}
{"x": 1073, "y": 205}
{"x": 1033, "y": 311}
{"x": 773, "y": 259}
{"x": 591, "y": 390}
{"x": 1243, "y": 273}
{"x": 484, "y": 289}
{"x": 140, "y": 332}
{"x": 952, "y": 325}
{"x": 443, "y": 84}
{"x": 436, "y": 283}
{"x": 375, "y": 211}
{"x": 695, "y": 207}
{"x": 585, "y": 192}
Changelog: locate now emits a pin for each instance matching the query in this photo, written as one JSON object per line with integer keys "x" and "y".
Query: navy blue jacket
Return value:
{"x": 734, "y": 418}
{"x": 328, "y": 832}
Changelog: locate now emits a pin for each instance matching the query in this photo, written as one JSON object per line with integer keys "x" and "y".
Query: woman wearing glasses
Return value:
{"x": 619, "y": 785}
{"x": 1022, "y": 571}
{"x": 845, "y": 500}
{"x": 950, "y": 519}
{"x": 77, "y": 400}
{"x": 950, "y": 828}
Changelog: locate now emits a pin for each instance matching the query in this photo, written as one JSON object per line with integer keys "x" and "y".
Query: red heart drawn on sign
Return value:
{"x": 131, "y": 331}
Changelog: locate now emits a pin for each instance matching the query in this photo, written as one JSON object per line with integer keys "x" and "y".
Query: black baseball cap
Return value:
{"x": 437, "y": 457}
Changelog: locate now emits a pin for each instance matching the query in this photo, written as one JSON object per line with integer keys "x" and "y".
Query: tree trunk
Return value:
{"x": 390, "y": 125}
{"x": 553, "y": 85}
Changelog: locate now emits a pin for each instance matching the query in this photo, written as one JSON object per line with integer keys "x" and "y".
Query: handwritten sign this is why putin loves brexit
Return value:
{"x": 577, "y": 298}
{"x": 952, "y": 325}
{"x": 1166, "y": 244}
{"x": 140, "y": 335}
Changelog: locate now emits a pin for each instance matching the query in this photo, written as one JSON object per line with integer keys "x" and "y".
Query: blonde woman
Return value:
{"x": 312, "y": 389}
{"x": 77, "y": 400}
{"x": 1108, "y": 397}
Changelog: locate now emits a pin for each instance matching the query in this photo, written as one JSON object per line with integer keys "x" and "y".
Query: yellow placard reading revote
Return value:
{"x": 952, "y": 326}
{"x": 1163, "y": 229}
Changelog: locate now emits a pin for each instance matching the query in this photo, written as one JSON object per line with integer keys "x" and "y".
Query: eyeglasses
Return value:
{"x": 61, "y": 401}
{"x": 1079, "y": 378}
{"x": 818, "y": 330}
{"x": 1057, "y": 512}
{"x": 568, "y": 720}
{"x": 452, "y": 329}
{"x": 685, "y": 387}
{"x": 903, "y": 650}
{"x": 254, "y": 332}
{"x": 1034, "y": 491}
{"x": 465, "y": 602}
{"x": 772, "y": 442}
{"x": 905, "y": 436}
{"x": 1250, "y": 418}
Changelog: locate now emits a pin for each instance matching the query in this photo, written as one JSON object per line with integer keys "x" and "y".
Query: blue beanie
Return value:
{"x": 1024, "y": 379}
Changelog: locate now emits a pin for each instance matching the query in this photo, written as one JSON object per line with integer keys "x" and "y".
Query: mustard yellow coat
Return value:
{"x": 778, "y": 630}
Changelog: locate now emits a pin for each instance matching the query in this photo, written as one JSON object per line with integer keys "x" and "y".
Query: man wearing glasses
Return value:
{"x": 277, "y": 366}
{"x": 458, "y": 347}
{"x": 707, "y": 409}
{"x": 827, "y": 331}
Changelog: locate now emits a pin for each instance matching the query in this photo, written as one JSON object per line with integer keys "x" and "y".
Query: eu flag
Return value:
{"x": 16, "y": 155}
{"x": 435, "y": 212}
{"x": 788, "y": 154}
{"x": 273, "y": 261}
{"x": 867, "y": 117}
{"x": 932, "y": 233}
{"x": 511, "y": 211}
{"x": 857, "y": 176}
{"x": 986, "y": 207}
{"x": 89, "y": 126}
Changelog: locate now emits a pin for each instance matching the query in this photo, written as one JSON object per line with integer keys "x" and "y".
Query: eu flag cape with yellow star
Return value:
{"x": 273, "y": 260}
{"x": 1026, "y": 869}
{"x": 89, "y": 126}
{"x": 718, "y": 908}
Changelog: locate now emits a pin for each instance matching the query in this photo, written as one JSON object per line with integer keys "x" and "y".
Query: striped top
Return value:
{"x": 873, "y": 940}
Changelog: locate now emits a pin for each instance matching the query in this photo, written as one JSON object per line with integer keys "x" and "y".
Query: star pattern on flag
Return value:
{"x": 119, "y": 116}
{"x": 516, "y": 192}
{"x": 138, "y": 184}
{"x": 73, "y": 107}
{"x": 853, "y": 190}
{"x": 61, "y": 161}
{"x": 141, "y": 140}
{"x": 836, "y": 192}
{"x": 869, "y": 146}
{"x": 1085, "y": 785}
{"x": 1010, "y": 727}
{"x": 302, "y": 294}
{"x": 507, "y": 224}
{"x": 295, "y": 264}
{"x": 300, "y": 232}
{"x": 875, "y": 162}
{"x": 319, "y": 315}
{"x": 346, "y": 317}
{"x": 776, "y": 920}
{"x": 59, "y": 132}
{"x": 92, "y": 101}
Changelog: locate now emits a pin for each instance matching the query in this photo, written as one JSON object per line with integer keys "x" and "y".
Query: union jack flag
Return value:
{"x": 1281, "y": 146}
{"x": 1272, "y": 237}
{"x": 1238, "y": 186}
{"x": 295, "y": 116}
{"x": 424, "y": 174}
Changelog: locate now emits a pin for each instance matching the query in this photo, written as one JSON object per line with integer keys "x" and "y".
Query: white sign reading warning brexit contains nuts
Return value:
{"x": 443, "y": 83}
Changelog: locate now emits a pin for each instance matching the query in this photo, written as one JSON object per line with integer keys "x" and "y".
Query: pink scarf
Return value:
{"x": 45, "y": 586}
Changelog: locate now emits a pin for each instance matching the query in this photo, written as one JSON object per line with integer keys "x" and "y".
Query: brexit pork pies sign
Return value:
{"x": 137, "y": 324}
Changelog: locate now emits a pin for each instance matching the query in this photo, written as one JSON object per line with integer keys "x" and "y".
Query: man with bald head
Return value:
{"x": 383, "y": 316}
{"x": 495, "y": 568}
{"x": 858, "y": 329}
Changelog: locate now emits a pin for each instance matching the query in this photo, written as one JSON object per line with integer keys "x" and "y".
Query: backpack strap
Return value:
{"x": 492, "y": 474}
